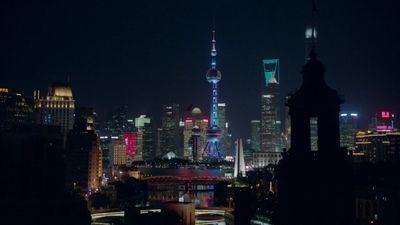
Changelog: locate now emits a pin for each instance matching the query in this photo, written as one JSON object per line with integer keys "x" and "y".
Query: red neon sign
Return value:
{"x": 385, "y": 115}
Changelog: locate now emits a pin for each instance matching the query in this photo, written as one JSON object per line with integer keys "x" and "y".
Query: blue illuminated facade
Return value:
{"x": 211, "y": 149}
{"x": 271, "y": 69}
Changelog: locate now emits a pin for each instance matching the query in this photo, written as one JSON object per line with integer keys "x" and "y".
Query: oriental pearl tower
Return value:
{"x": 211, "y": 149}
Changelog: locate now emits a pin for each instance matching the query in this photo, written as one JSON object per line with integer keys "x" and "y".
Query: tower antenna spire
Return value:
{"x": 213, "y": 50}
{"x": 313, "y": 28}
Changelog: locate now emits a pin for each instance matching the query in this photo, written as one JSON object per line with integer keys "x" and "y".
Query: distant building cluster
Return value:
{"x": 73, "y": 130}
{"x": 94, "y": 150}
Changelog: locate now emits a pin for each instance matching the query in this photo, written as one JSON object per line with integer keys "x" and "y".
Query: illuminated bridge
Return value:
{"x": 203, "y": 216}
{"x": 183, "y": 180}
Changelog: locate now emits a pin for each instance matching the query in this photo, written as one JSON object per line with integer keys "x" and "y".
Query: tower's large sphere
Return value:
{"x": 213, "y": 75}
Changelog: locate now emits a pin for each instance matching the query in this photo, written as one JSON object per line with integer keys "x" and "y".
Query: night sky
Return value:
{"x": 148, "y": 53}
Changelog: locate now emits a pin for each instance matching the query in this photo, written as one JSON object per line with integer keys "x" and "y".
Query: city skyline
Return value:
{"x": 137, "y": 126}
{"x": 116, "y": 51}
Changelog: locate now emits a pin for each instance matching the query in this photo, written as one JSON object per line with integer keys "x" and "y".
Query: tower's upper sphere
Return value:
{"x": 213, "y": 75}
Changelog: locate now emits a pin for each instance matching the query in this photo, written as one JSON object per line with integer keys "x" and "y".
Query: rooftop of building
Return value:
{"x": 60, "y": 90}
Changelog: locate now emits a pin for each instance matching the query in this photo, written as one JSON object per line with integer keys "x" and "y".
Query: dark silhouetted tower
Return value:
{"x": 315, "y": 187}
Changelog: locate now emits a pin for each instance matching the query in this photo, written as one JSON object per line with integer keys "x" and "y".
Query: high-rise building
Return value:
{"x": 15, "y": 108}
{"x": 271, "y": 69}
{"x": 212, "y": 148}
{"x": 130, "y": 140}
{"x": 285, "y": 135}
{"x": 105, "y": 143}
{"x": 194, "y": 126}
{"x": 187, "y": 135}
{"x": 83, "y": 157}
{"x": 144, "y": 124}
{"x": 270, "y": 117}
{"x": 195, "y": 144}
{"x": 57, "y": 108}
{"x": 383, "y": 122}
{"x": 255, "y": 126}
{"x": 348, "y": 130}
{"x": 139, "y": 146}
{"x": 118, "y": 153}
{"x": 141, "y": 121}
{"x": 248, "y": 152}
{"x": 374, "y": 146}
{"x": 148, "y": 152}
{"x": 170, "y": 135}
{"x": 223, "y": 125}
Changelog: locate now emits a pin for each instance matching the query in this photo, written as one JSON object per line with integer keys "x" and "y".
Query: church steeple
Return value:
{"x": 315, "y": 101}
{"x": 315, "y": 157}
{"x": 311, "y": 32}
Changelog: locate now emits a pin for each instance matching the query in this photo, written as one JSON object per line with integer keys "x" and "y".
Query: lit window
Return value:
{"x": 314, "y": 133}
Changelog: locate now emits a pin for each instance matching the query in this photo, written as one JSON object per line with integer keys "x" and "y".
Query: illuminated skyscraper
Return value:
{"x": 255, "y": 134}
{"x": 118, "y": 153}
{"x": 194, "y": 126}
{"x": 57, "y": 108}
{"x": 144, "y": 124}
{"x": 285, "y": 135}
{"x": 270, "y": 117}
{"x": 383, "y": 122}
{"x": 141, "y": 121}
{"x": 195, "y": 144}
{"x": 130, "y": 140}
{"x": 271, "y": 69}
{"x": 224, "y": 144}
{"x": 139, "y": 146}
{"x": 348, "y": 130}
{"x": 170, "y": 135}
{"x": 83, "y": 157}
{"x": 212, "y": 150}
